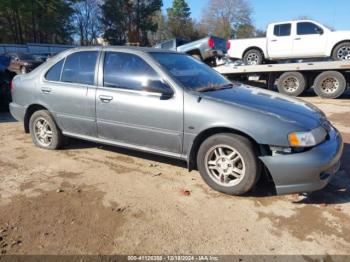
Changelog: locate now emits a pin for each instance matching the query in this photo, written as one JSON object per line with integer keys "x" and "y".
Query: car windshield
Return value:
{"x": 191, "y": 73}
{"x": 26, "y": 56}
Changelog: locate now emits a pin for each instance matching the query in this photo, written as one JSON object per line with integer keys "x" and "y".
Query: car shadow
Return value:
{"x": 336, "y": 192}
{"x": 5, "y": 117}
{"x": 72, "y": 143}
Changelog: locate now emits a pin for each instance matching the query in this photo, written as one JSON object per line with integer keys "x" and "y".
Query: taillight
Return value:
{"x": 211, "y": 42}
{"x": 228, "y": 45}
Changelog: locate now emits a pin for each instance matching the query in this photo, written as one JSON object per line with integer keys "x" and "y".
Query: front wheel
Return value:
{"x": 228, "y": 164}
{"x": 44, "y": 131}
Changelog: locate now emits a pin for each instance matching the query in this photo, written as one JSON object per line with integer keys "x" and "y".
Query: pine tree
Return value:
{"x": 179, "y": 20}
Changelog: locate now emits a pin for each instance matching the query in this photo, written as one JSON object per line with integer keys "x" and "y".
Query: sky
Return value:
{"x": 334, "y": 13}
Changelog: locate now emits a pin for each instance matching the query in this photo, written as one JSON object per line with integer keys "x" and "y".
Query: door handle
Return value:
{"x": 46, "y": 90}
{"x": 274, "y": 40}
{"x": 298, "y": 38}
{"x": 106, "y": 99}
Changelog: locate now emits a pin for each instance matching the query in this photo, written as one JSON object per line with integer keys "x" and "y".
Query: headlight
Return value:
{"x": 307, "y": 139}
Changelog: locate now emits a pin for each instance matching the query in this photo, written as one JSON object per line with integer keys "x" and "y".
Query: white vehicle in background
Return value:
{"x": 292, "y": 40}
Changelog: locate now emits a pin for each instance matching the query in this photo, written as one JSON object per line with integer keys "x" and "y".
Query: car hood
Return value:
{"x": 301, "y": 113}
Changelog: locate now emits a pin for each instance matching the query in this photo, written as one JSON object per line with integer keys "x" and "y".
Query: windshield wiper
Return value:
{"x": 214, "y": 87}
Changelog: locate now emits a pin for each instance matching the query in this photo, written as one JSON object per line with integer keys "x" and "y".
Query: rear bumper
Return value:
{"x": 17, "y": 111}
{"x": 308, "y": 171}
{"x": 213, "y": 53}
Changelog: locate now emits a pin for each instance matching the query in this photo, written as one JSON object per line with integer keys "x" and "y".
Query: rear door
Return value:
{"x": 310, "y": 40}
{"x": 68, "y": 90}
{"x": 127, "y": 113}
{"x": 280, "y": 41}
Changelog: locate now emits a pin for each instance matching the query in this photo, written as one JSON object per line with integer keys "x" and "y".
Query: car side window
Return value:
{"x": 54, "y": 73}
{"x": 127, "y": 71}
{"x": 79, "y": 68}
{"x": 282, "y": 30}
{"x": 307, "y": 28}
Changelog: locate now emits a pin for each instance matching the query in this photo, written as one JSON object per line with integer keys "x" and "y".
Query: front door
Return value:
{"x": 127, "y": 113}
{"x": 68, "y": 90}
{"x": 310, "y": 40}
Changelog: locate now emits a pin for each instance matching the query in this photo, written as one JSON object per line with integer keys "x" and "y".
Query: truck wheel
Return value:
{"x": 342, "y": 52}
{"x": 44, "y": 131}
{"x": 253, "y": 57}
{"x": 228, "y": 164}
{"x": 291, "y": 83}
{"x": 330, "y": 84}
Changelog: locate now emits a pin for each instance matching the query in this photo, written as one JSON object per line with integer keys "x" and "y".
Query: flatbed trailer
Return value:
{"x": 329, "y": 79}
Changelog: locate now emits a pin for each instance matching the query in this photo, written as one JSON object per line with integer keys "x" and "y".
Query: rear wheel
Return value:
{"x": 342, "y": 52}
{"x": 291, "y": 83}
{"x": 228, "y": 164}
{"x": 253, "y": 57}
{"x": 44, "y": 131}
{"x": 330, "y": 84}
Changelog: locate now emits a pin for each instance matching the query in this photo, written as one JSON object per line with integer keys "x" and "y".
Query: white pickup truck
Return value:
{"x": 292, "y": 40}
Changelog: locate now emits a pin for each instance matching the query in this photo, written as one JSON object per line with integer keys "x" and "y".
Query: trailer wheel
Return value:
{"x": 330, "y": 84}
{"x": 291, "y": 83}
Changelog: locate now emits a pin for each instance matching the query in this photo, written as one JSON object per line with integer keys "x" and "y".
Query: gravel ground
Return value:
{"x": 94, "y": 199}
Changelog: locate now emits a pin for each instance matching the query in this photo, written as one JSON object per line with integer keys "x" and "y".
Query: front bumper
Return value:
{"x": 308, "y": 171}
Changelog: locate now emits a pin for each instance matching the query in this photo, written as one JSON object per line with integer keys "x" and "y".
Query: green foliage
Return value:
{"x": 35, "y": 21}
{"x": 179, "y": 21}
{"x": 129, "y": 21}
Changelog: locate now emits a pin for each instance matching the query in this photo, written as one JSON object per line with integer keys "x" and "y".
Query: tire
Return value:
{"x": 341, "y": 52}
{"x": 41, "y": 118}
{"x": 291, "y": 83}
{"x": 196, "y": 56}
{"x": 253, "y": 57}
{"x": 330, "y": 84}
{"x": 247, "y": 164}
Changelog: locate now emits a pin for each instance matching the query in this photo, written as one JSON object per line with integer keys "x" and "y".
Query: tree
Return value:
{"x": 179, "y": 22}
{"x": 35, "y": 21}
{"x": 129, "y": 20}
{"x": 227, "y": 18}
{"x": 86, "y": 20}
{"x": 162, "y": 33}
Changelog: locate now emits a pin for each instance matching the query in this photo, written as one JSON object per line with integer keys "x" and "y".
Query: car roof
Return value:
{"x": 124, "y": 48}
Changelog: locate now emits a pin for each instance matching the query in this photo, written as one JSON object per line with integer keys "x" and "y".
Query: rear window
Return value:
{"x": 54, "y": 74}
{"x": 282, "y": 30}
{"x": 80, "y": 68}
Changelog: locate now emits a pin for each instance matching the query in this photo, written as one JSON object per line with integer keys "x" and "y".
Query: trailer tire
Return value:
{"x": 253, "y": 57}
{"x": 330, "y": 84}
{"x": 291, "y": 83}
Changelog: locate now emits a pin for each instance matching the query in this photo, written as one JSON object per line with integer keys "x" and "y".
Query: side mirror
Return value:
{"x": 319, "y": 31}
{"x": 157, "y": 86}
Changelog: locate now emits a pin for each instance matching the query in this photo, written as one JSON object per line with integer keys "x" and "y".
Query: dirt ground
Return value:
{"x": 94, "y": 199}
